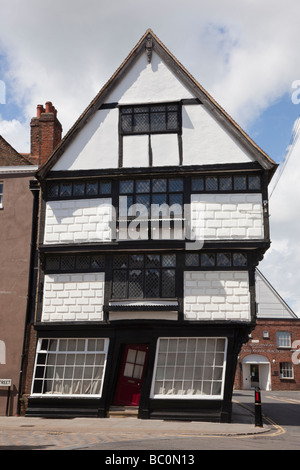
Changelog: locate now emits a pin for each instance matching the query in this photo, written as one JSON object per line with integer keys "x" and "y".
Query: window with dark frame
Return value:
{"x": 78, "y": 189}
{"x": 226, "y": 183}
{"x": 150, "y": 119}
{"x": 141, "y": 276}
{"x": 220, "y": 260}
{"x": 1, "y": 195}
{"x": 152, "y": 193}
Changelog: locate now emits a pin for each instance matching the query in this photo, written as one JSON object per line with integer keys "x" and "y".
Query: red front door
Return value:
{"x": 131, "y": 376}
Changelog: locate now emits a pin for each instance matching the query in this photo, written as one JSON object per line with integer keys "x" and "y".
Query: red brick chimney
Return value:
{"x": 46, "y": 131}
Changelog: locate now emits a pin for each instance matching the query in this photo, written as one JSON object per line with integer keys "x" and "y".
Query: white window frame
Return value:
{"x": 84, "y": 351}
{"x": 283, "y": 339}
{"x": 189, "y": 396}
{"x": 286, "y": 368}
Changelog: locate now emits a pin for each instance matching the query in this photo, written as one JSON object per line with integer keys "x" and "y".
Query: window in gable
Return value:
{"x": 150, "y": 119}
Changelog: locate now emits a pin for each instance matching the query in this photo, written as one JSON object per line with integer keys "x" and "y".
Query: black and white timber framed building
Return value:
{"x": 153, "y": 218}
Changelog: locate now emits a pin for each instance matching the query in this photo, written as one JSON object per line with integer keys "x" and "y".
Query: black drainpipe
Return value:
{"x": 34, "y": 188}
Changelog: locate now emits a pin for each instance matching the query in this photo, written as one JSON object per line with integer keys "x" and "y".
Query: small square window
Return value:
{"x": 240, "y": 183}
{"x": 211, "y": 183}
{"x": 225, "y": 183}
{"x": 197, "y": 184}
{"x": 254, "y": 182}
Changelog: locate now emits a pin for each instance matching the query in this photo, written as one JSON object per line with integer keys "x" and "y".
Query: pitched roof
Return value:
{"x": 147, "y": 43}
{"x": 9, "y": 156}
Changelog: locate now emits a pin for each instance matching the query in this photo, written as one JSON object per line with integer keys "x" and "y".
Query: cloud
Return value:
{"x": 64, "y": 51}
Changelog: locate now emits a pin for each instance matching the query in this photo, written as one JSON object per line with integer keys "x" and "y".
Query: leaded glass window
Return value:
{"x": 144, "y": 276}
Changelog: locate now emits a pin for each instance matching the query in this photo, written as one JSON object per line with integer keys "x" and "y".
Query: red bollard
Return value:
{"x": 258, "y": 413}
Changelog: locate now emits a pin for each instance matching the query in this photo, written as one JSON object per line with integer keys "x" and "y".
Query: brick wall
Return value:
{"x": 227, "y": 216}
{"x": 78, "y": 221}
{"x": 73, "y": 297}
{"x": 216, "y": 295}
{"x": 267, "y": 347}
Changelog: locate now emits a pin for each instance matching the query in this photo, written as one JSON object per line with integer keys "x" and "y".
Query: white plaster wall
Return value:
{"x": 165, "y": 149}
{"x": 73, "y": 297}
{"x": 96, "y": 146}
{"x": 216, "y": 295}
{"x": 135, "y": 151}
{"x": 205, "y": 142}
{"x": 149, "y": 83}
{"x": 78, "y": 221}
{"x": 227, "y": 216}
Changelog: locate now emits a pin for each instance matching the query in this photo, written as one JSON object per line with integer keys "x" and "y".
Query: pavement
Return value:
{"x": 27, "y": 433}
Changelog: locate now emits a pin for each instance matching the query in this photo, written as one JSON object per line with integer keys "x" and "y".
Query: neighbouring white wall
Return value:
{"x": 216, "y": 295}
{"x": 227, "y": 216}
{"x": 78, "y": 221}
{"x": 73, "y": 297}
{"x": 269, "y": 302}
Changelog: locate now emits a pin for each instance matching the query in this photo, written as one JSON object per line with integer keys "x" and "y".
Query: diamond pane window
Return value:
{"x": 168, "y": 261}
{"x": 135, "y": 281}
{"x": 144, "y": 276}
{"x": 140, "y": 123}
{"x": 105, "y": 187}
{"x": 67, "y": 263}
{"x": 119, "y": 284}
{"x": 168, "y": 282}
{"x": 207, "y": 259}
{"x": 159, "y": 185}
{"x": 192, "y": 259}
{"x": 66, "y": 189}
{"x": 254, "y": 182}
{"x": 92, "y": 188}
{"x": 150, "y": 119}
{"x": 239, "y": 259}
{"x": 175, "y": 185}
{"x": 198, "y": 184}
{"x": 82, "y": 262}
{"x": 126, "y": 186}
{"x": 78, "y": 189}
{"x": 53, "y": 190}
{"x": 53, "y": 263}
{"x": 143, "y": 186}
{"x": 240, "y": 183}
{"x": 211, "y": 183}
{"x": 223, "y": 259}
{"x": 97, "y": 262}
{"x": 225, "y": 183}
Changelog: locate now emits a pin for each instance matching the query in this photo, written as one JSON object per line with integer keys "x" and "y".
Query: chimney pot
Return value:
{"x": 49, "y": 107}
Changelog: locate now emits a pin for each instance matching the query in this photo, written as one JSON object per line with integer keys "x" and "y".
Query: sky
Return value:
{"x": 243, "y": 52}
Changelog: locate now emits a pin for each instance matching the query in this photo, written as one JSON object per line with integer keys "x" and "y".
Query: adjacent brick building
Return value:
{"x": 270, "y": 359}
{"x": 18, "y": 222}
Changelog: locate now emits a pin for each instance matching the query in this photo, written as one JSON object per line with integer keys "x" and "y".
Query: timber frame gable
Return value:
{"x": 147, "y": 44}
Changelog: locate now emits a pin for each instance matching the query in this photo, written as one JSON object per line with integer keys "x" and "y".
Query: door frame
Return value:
{"x": 121, "y": 379}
